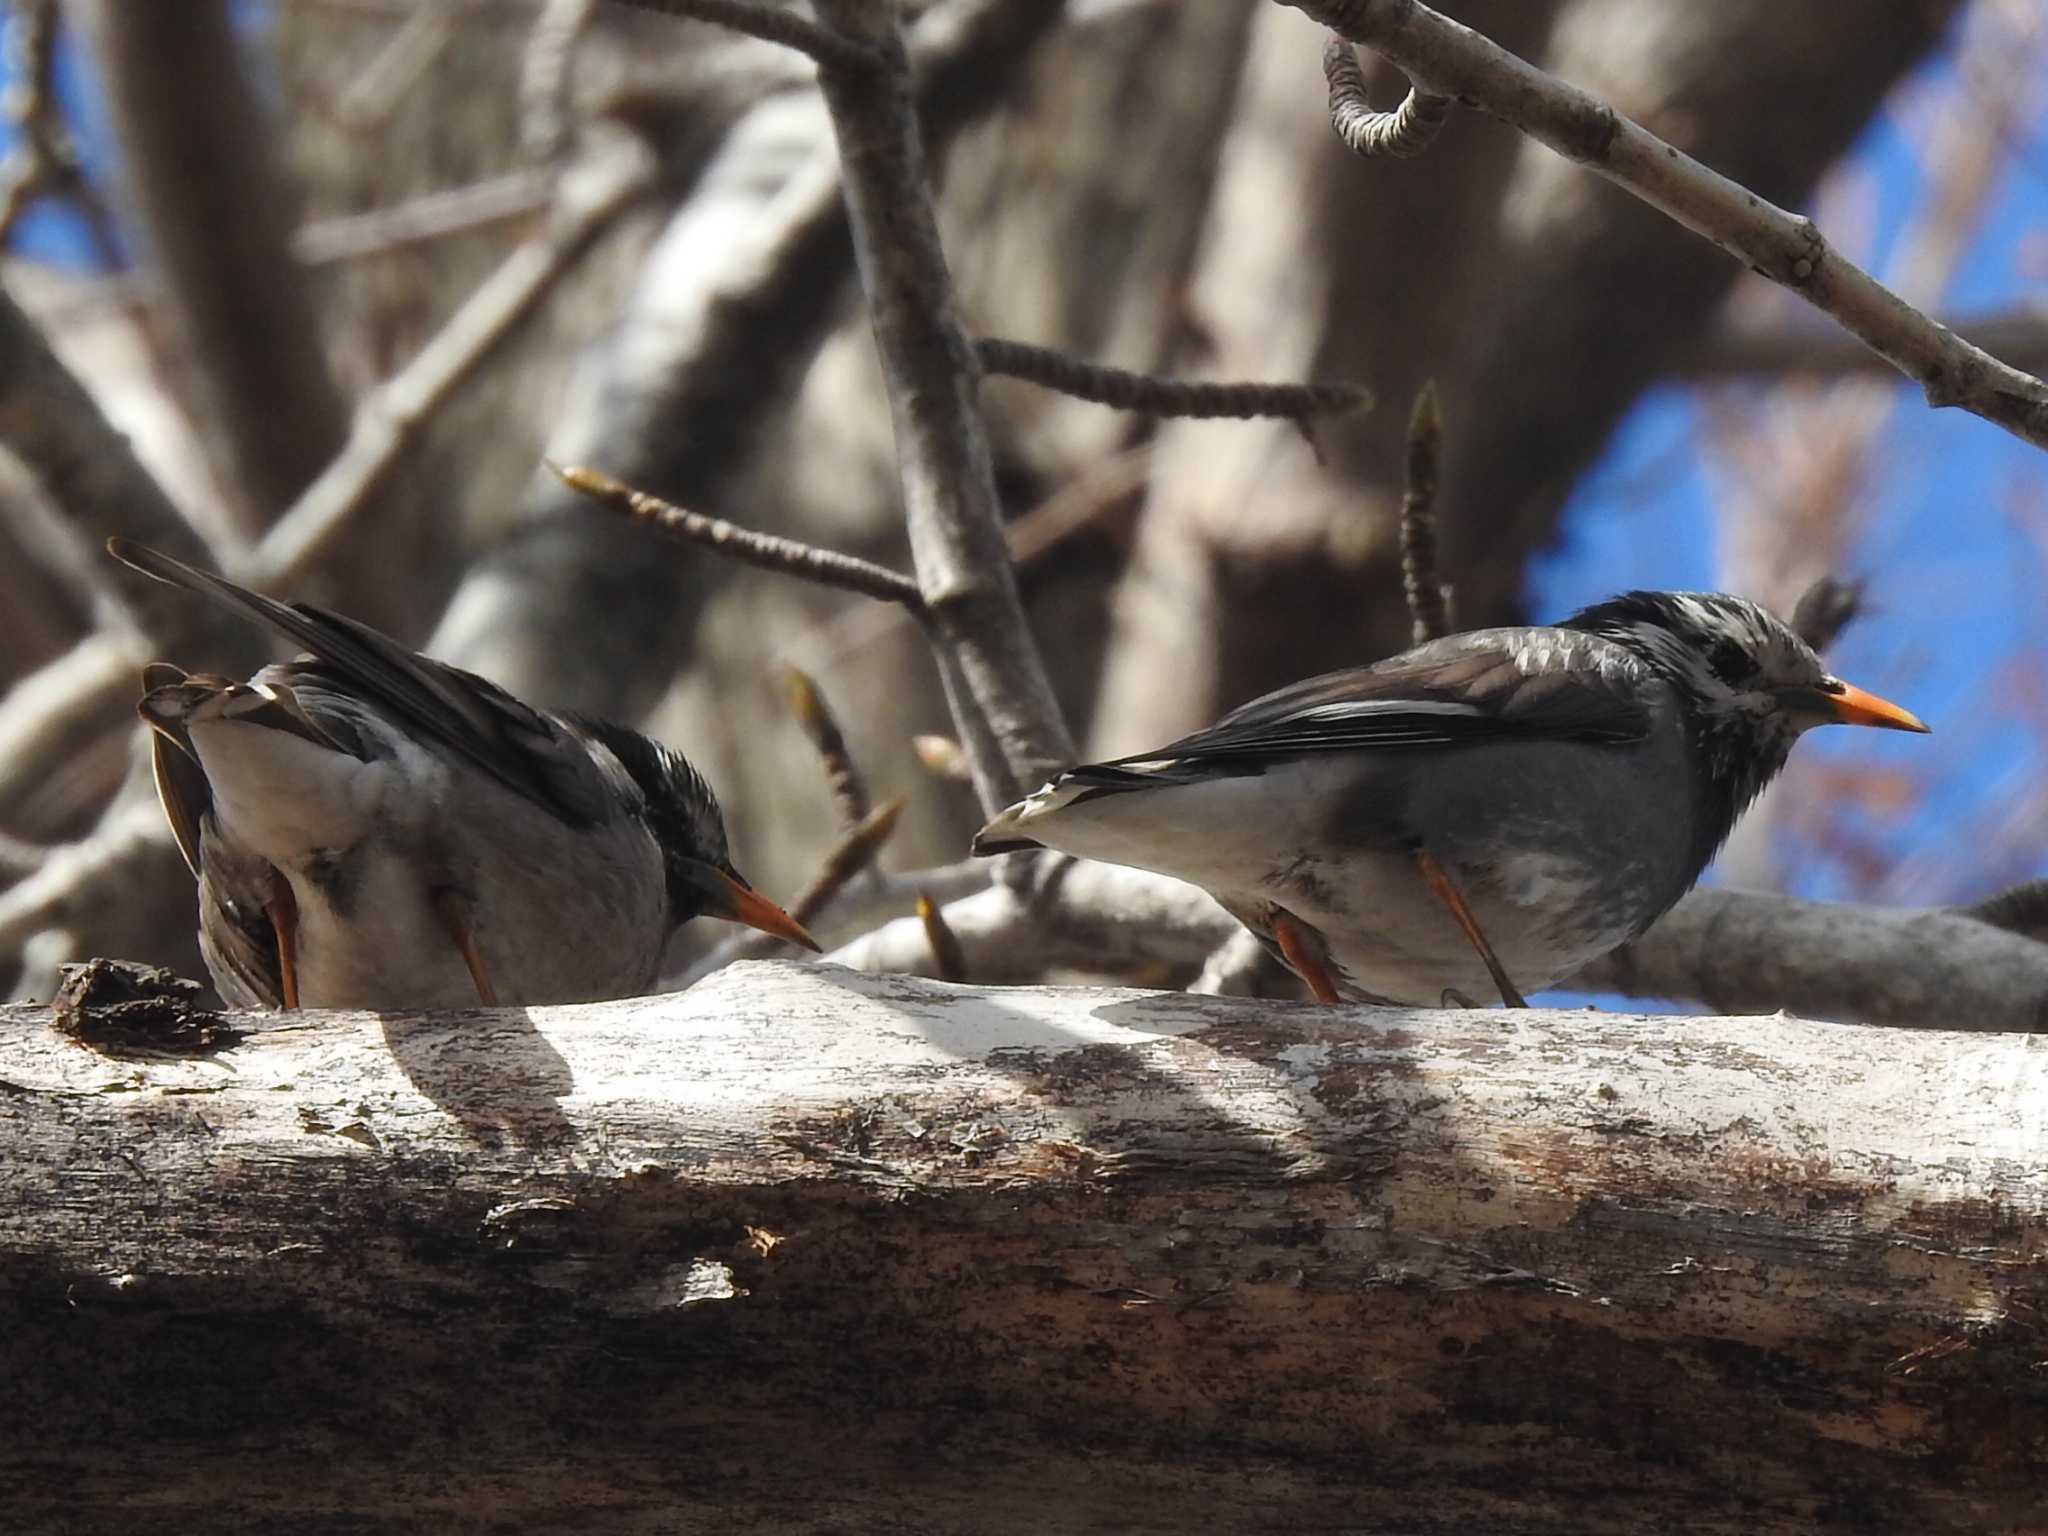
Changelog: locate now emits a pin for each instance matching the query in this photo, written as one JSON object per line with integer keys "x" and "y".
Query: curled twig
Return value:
{"x": 1825, "y": 609}
{"x": 1404, "y": 132}
{"x": 827, "y": 567}
{"x": 1167, "y": 397}
{"x": 849, "y": 789}
{"x": 849, "y": 856}
{"x": 1428, "y": 597}
{"x": 950, "y": 958}
{"x": 773, "y": 25}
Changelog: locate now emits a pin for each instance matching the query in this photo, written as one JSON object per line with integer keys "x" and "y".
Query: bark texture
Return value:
{"x": 802, "y": 1250}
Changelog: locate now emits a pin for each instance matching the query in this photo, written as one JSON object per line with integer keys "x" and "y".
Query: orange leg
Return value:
{"x": 1293, "y": 939}
{"x": 454, "y": 914}
{"x": 1439, "y": 883}
{"x": 283, "y": 912}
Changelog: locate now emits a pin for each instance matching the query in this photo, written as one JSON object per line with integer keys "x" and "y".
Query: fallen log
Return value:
{"x": 804, "y": 1250}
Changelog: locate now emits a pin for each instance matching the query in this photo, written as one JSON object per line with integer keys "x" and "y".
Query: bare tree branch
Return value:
{"x": 842, "y": 775}
{"x": 393, "y": 416}
{"x": 196, "y": 153}
{"x": 1736, "y": 952}
{"x": 1428, "y": 595}
{"x": 773, "y": 25}
{"x": 430, "y": 216}
{"x": 1157, "y": 396}
{"x": 1747, "y": 952}
{"x": 2019, "y": 334}
{"x": 546, "y": 74}
{"x": 852, "y": 854}
{"x": 769, "y": 551}
{"x": 374, "y": 96}
{"x": 63, "y": 730}
{"x": 730, "y": 305}
{"x": 1010, "y": 723}
{"x": 1787, "y": 248}
{"x": 96, "y": 484}
{"x": 1400, "y": 134}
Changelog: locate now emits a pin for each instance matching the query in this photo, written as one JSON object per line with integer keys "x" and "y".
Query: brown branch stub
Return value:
{"x": 1452, "y": 59}
{"x": 1825, "y": 609}
{"x": 950, "y": 959}
{"x": 821, "y": 726}
{"x": 1166, "y": 397}
{"x": 1400, "y": 134}
{"x": 769, "y": 551}
{"x": 849, "y": 856}
{"x": 1428, "y": 596}
{"x": 772, "y": 25}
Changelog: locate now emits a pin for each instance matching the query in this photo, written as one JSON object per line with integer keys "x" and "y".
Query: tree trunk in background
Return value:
{"x": 806, "y": 1251}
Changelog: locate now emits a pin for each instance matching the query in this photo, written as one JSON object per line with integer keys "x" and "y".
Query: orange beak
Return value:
{"x": 1845, "y": 704}
{"x": 732, "y": 898}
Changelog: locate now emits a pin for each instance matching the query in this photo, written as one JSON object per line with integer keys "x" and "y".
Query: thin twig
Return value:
{"x": 1002, "y": 701}
{"x": 1166, "y": 397}
{"x": 546, "y": 74}
{"x": 1428, "y": 596}
{"x": 430, "y": 216}
{"x": 947, "y": 955}
{"x": 1825, "y": 609}
{"x": 854, "y": 852}
{"x": 1453, "y": 60}
{"x": 771, "y": 552}
{"x": 772, "y": 25}
{"x": 1400, "y": 134}
{"x": 366, "y": 106}
{"x": 807, "y": 703}
{"x": 1092, "y": 494}
{"x": 397, "y": 412}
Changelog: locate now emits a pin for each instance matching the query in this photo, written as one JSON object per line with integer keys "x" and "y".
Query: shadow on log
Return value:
{"x": 803, "y": 1250}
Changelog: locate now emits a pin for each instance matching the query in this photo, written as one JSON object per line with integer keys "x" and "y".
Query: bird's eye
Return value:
{"x": 1729, "y": 661}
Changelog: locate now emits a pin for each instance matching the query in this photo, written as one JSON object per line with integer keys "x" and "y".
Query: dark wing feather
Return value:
{"x": 468, "y": 716}
{"x": 182, "y": 790}
{"x": 235, "y": 936}
{"x": 1468, "y": 689}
